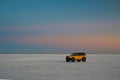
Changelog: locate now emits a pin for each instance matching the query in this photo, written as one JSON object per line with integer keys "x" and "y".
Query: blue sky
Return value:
{"x": 49, "y": 20}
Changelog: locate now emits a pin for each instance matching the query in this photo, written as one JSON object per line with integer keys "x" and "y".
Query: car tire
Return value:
{"x": 72, "y": 59}
{"x": 67, "y": 59}
{"x": 84, "y": 59}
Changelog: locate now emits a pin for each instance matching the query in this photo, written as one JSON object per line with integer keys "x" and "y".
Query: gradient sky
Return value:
{"x": 50, "y": 26}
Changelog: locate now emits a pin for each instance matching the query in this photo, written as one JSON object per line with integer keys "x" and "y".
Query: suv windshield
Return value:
{"x": 74, "y": 54}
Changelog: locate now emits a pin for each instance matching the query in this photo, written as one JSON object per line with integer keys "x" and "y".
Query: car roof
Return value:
{"x": 79, "y": 53}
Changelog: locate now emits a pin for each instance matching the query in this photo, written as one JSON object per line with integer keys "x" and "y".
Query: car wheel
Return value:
{"x": 72, "y": 59}
{"x": 84, "y": 59}
{"x": 67, "y": 59}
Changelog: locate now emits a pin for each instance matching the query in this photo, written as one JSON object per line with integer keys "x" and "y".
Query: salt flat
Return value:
{"x": 54, "y": 67}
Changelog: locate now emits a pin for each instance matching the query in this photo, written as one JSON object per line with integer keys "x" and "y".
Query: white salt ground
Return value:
{"x": 54, "y": 67}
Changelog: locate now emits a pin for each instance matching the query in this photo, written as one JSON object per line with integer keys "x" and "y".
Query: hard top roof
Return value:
{"x": 79, "y": 53}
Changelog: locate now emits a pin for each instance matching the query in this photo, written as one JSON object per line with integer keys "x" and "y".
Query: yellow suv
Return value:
{"x": 76, "y": 57}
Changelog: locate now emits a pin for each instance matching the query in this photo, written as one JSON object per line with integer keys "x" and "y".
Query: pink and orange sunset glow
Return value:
{"x": 73, "y": 41}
